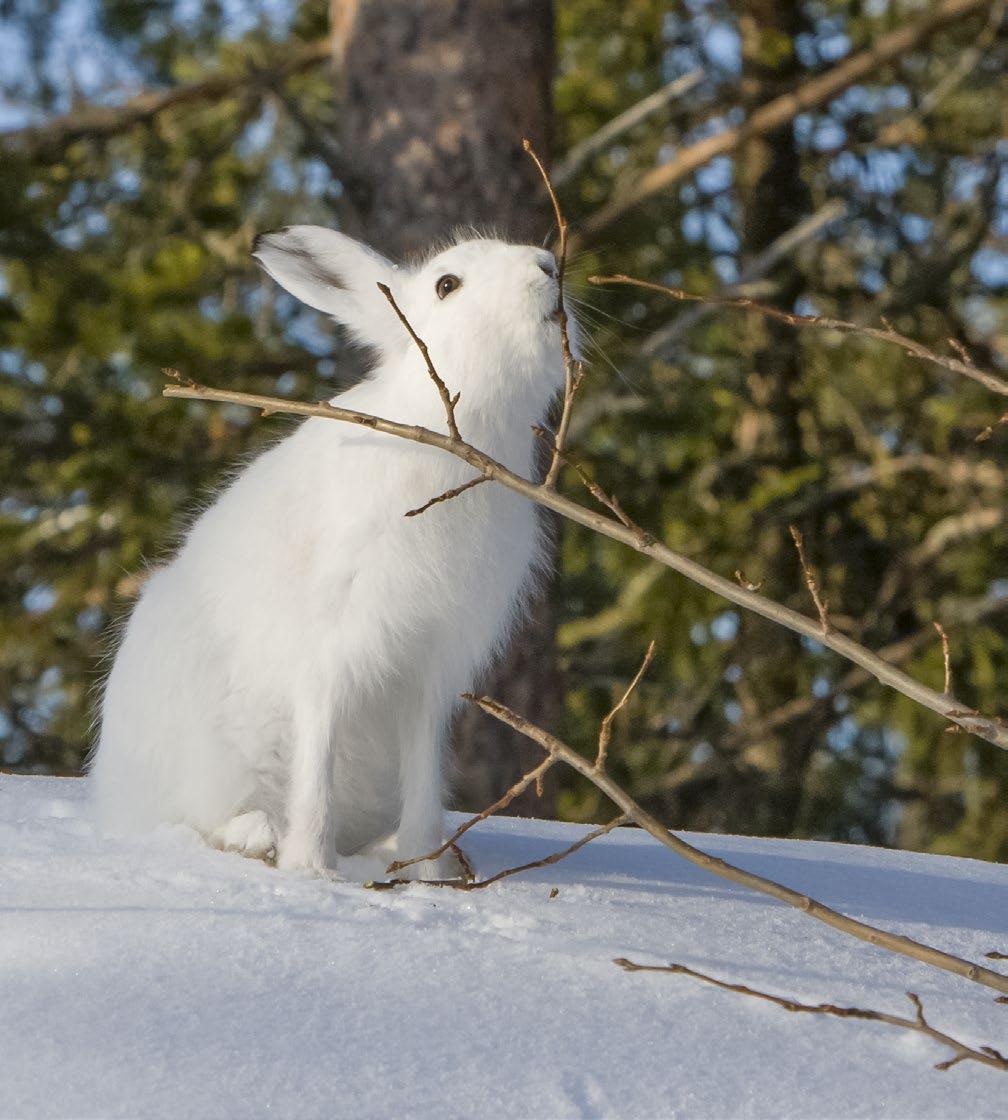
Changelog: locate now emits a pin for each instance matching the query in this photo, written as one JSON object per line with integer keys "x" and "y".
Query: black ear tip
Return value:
{"x": 261, "y": 240}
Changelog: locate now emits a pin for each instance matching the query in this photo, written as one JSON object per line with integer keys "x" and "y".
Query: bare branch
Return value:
{"x": 573, "y": 370}
{"x": 605, "y": 728}
{"x": 663, "y": 340}
{"x": 989, "y": 430}
{"x": 910, "y": 346}
{"x": 810, "y": 580}
{"x": 536, "y": 775}
{"x": 608, "y": 501}
{"x": 814, "y": 92}
{"x": 101, "y": 122}
{"x": 447, "y": 399}
{"x": 741, "y": 580}
{"x": 471, "y": 884}
{"x": 986, "y": 1055}
{"x": 610, "y": 132}
{"x": 546, "y": 861}
{"x": 991, "y": 729}
{"x": 895, "y": 943}
{"x": 895, "y": 654}
{"x": 179, "y": 378}
{"x": 946, "y": 655}
{"x": 447, "y": 495}
{"x": 468, "y": 875}
{"x": 501, "y": 803}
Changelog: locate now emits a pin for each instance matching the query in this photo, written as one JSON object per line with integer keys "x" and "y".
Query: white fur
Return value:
{"x": 293, "y": 671}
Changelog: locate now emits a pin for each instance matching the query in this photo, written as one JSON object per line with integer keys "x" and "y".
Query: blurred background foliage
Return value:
{"x": 129, "y": 251}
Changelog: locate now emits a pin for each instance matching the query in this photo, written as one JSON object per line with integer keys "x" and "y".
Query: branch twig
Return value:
{"x": 993, "y": 730}
{"x": 895, "y": 943}
{"x": 946, "y": 656}
{"x": 501, "y": 803}
{"x": 989, "y": 430}
{"x": 607, "y": 501}
{"x": 810, "y": 581}
{"x": 447, "y": 399}
{"x": 896, "y": 653}
{"x": 536, "y": 775}
{"x": 664, "y": 340}
{"x": 447, "y": 495}
{"x": 546, "y": 861}
{"x": 470, "y": 883}
{"x": 908, "y": 345}
{"x": 605, "y": 728}
{"x": 987, "y": 1055}
{"x": 573, "y": 370}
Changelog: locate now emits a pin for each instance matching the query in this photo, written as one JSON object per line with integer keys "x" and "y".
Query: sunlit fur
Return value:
{"x": 291, "y": 674}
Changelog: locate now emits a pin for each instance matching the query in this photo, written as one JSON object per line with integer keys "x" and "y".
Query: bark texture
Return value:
{"x": 436, "y": 97}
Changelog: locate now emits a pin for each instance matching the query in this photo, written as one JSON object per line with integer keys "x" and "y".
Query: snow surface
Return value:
{"x": 163, "y": 979}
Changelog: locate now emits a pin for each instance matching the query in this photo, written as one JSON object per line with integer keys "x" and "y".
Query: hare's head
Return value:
{"x": 487, "y": 310}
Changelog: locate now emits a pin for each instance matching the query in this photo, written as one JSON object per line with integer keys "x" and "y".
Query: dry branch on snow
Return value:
{"x": 986, "y": 1055}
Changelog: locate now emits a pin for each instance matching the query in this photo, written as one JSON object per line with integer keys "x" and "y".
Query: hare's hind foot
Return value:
{"x": 249, "y": 834}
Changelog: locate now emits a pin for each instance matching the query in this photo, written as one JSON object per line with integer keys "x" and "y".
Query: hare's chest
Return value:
{"x": 454, "y": 572}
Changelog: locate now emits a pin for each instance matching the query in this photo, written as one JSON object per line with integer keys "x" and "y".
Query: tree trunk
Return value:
{"x": 774, "y": 198}
{"x": 437, "y": 95}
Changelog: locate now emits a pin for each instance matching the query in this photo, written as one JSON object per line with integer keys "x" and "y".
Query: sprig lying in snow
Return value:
{"x": 987, "y": 1055}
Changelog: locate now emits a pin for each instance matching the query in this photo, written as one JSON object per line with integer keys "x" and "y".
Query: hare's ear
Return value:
{"x": 335, "y": 274}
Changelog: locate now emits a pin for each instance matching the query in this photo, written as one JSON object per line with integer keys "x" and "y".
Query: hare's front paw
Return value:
{"x": 250, "y": 834}
{"x": 300, "y": 853}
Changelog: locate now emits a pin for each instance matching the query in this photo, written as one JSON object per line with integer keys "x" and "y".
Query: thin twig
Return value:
{"x": 989, "y": 430}
{"x": 447, "y": 399}
{"x": 479, "y": 884}
{"x": 573, "y": 370}
{"x": 741, "y": 580}
{"x": 987, "y": 1055}
{"x": 946, "y": 656}
{"x": 810, "y": 581}
{"x": 895, "y": 943}
{"x": 663, "y": 340}
{"x": 609, "y": 501}
{"x": 822, "y": 322}
{"x": 896, "y": 653}
{"x": 468, "y": 874}
{"x": 536, "y": 775}
{"x": 605, "y": 728}
{"x": 993, "y": 730}
{"x": 501, "y": 803}
{"x": 546, "y": 861}
{"x": 447, "y": 495}
{"x": 179, "y": 378}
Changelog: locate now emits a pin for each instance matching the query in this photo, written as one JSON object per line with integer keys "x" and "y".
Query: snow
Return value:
{"x": 159, "y": 978}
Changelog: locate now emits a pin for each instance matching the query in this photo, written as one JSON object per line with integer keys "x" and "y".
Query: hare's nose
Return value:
{"x": 547, "y": 263}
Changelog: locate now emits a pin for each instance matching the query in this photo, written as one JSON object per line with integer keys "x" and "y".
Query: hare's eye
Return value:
{"x": 446, "y": 285}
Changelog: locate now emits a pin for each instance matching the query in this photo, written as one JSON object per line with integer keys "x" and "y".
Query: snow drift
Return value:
{"x": 164, "y": 979}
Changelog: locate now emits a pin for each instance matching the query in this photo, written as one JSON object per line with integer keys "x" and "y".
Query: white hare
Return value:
{"x": 287, "y": 681}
